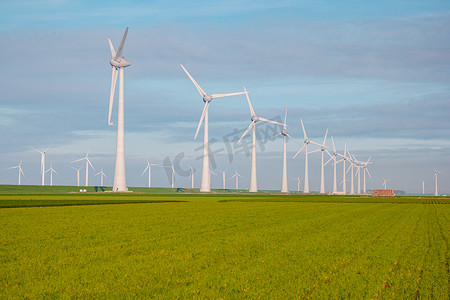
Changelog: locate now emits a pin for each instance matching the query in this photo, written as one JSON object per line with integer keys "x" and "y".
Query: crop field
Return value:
{"x": 229, "y": 246}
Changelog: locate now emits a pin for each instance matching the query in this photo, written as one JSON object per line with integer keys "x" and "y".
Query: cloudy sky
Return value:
{"x": 376, "y": 74}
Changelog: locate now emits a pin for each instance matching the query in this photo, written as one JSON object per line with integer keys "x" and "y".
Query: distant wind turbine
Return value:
{"x": 436, "y": 172}
{"x": 334, "y": 158}
{"x": 118, "y": 63}
{"x": 305, "y": 146}
{"x": 284, "y": 133}
{"x": 78, "y": 175}
{"x": 173, "y": 174}
{"x": 322, "y": 149}
{"x": 206, "y": 183}
{"x": 423, "y": 187}
{"x": 191, "y": 176}
{"x": 223, "y": 178}
{"x": 102, "y": 174}
{"x": 298, "y": 183}
{"x": 42, "y": 164}
{"x": 385, "y": 183}
{"x": 149, "y": 168}
{"x": 236, "y": 176}
{"x": 368, "y": 173}
{"x": 88, "y": 163}
{"x": 51, "y": 170}
{"x": 19, "y": 167}
{"x": 344, "y": 171}
{"x": 254, "y": 118}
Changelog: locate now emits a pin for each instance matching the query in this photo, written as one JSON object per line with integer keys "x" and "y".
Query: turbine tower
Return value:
{"x": 51, "y": 170}
{"x": 191, "y": 176}
{"x": 305, "y": 145}
{"x": 343, "y": 160}
{"x": 368, "y": 173}
{"x": 322, "y": 174}
{"x": 236, "y": 175}
{"x": 254, "y": 118}
{"x": 173, "y": 174}
{"x": 149, "y": 168}
{"x": 102, "y": 174}
{"x": 223, "y": 178}
{"x": 42, "y": 165}
{"x": 118, "y": 64}
{"x": 298, "y": 183}
{"x": 206, "y": 183}
{"x": 436, "y": 182}
{"x": 78, "y": 175}
{"x": 284, "y": 186}
{"x": 334, "y": 158}
{"x": 19, "y": 167}
{"x": 88, "y": 163}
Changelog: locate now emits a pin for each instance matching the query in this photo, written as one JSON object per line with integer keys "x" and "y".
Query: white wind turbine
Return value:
{"x": 236, "y": 176}
{"x": 322, "y": 149}
{"x": 364, "y": 165}
{"x": 149, "y": 168}
{"x": 173, "y": 174}
{"x": 423, "y": 187}
{"x": 118, "y": 64}
{"x": 343, "y": 160}
{"x": 284, "y": 186}
{"x": 88, "y": 163}
{"x": 51, "y": 170}
{"x": 253, "y": 181}
{"x": 223, "y": 179}
{"x": 102, "y": 174}
{"x": 352, "y": 164}
{"x": 19, "y": 167}
{"x": 206, "y": 183}
{"x": 385, "y": 181}
{"x": 78, "y": 175}
{"x": 334, "y": 158}
{"x": 191, "y": 176}
{"x": 298, "y": 183}
{"x": 436, "y": 182}
{"x": 42, "y": 164}
{"x": 305, "y": 146}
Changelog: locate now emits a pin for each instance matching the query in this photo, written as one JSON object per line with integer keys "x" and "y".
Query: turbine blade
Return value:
{"x": 271, "y": 137}
{"x": 325, "y": 138}
{"x": 328, "y": 160}
{"x": 144, "y": 171}
{"x": 290, "y": 137}
{"x": 90, "y": 164}
{"x": 304, "y": 131}
{"x": 269, "y": 121}
{"x": 334, "y": 148}
{"x": 285, "y": 117}
{"x": 317, "y": 150}
{"x": 205, "y": 108}
{"x": 298, "y": 152}
{"x": 252, "y": 111}
{"x": 200, "y": 90}
{"x": 79, "y": 159}
{"x": 368, "y": 173}
{"x": 111, "y": 95}
{"x": 215, "y": 96}
{"x": 245, "y": 132}
{"x": 122, "y": 43}
{"x": 113, "y": 52}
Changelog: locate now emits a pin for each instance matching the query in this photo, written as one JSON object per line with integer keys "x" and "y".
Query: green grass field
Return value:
{"x": 222, "y": 246}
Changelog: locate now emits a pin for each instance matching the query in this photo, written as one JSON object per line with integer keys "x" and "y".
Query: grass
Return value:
{"x": 223, "y": 246}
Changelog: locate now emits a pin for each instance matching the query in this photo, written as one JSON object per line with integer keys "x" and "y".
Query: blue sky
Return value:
{"x": 376, "y": 74}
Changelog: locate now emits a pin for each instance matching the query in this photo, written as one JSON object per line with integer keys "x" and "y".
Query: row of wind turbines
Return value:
{"x": 119, "y": 63}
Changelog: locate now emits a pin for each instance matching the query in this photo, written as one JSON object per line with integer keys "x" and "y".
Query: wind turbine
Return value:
{"x": 254, "y": 118}
{"x": 42, "y": 164}
{"x": 191, "y": 176}
{"x": 118, "y": 64}
{"x": 423, "y": 187}
{"x": 284, "y": 187}
{"x": 51, "y": 170}
{"x": 384, "y": 186}
{"x": 88, "y": 163}
{"x": 436, "y": 182}
{"x": 305, "y": 146}
{"x": 101, "y": 173}
{"x": 236, "y": 175}
{"x": 298, "y": 183}
{"x": 368, "y": 173}
{"x": 322, "y": 149}
{"x": 223, "y": 178}
{"x": 19, "y": 167}
{"x": 333, "y": 157}
{"x": 173, "y": 174}
{"x": 206, "y": 183}
{"x": 343, "y": 160}
{"x": 149, "y": 168}
{"x": 78, "y": 175}
{"x": 352, "y": 164}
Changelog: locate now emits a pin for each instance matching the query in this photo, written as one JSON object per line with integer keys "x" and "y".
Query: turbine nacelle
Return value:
{"x": 284, "y": 132}
{"x": 207, "y": 98}
{"x": 255, "y": 118}
{"x": 120, "y": 63}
